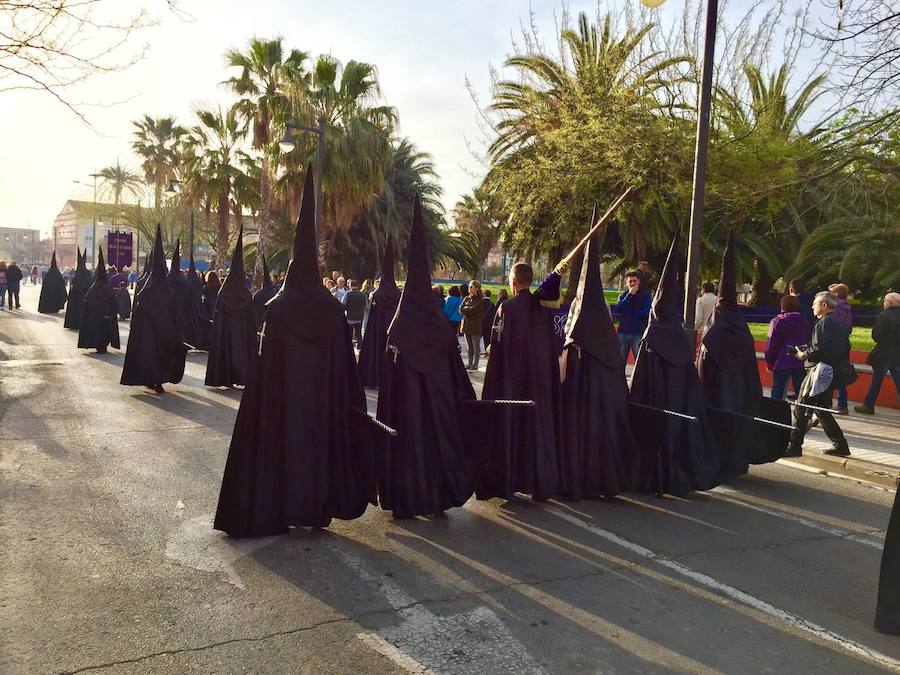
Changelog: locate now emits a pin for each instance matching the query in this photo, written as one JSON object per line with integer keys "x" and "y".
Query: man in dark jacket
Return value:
{"x": 13, "y": 279}
{"x": 355, "y": 306}
{"x": 633, "y": 308}
{"x": 886, "y": 355}
{"x": 829, "y": 349}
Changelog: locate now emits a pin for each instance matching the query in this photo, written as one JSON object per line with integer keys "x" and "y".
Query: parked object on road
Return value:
{"x": 301, "y": 452}
{"x": 678, "y": 455}
{"x": 426, "y": 468}
{"x": 381, "y": 312}
{"x": 885, "y": 357}
{"x": 99, "y": 325}
{"x": 730, "y": 376}
{"x": 828, "y": 366}
{"x": 598, "y": 451}
{"x": 53, "y": 290}
{"x": 155, "y": 353}
{"x": 233, "y": 337}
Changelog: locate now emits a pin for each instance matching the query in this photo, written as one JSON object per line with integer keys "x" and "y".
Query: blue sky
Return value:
{"x": 424, "y": 50}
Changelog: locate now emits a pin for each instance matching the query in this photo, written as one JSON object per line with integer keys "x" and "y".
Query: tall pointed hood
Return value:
{"x": 665, "y": 333}
{"x": 387, "y": 288}
{"x": 589, "y": 325}
{"x": 175, "y": 266}
{"x": 179, "y": 285}
{"x": 726, "y": 336}
{"x": 234, "y": 294}
{"x": 53, "y": 265}
{"x": 78, "y": 260}
{"x": 155, "y": 294}
{"x": 303, "y": 304}
{"x": 267, "y": 278}
{"x": 100, "y": 291}
{"x": 419, "y": 329}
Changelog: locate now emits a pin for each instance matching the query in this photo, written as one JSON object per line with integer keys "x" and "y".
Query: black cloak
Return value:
{"x": 81, "y": 281}
{"x": 142, "y": 279}
{"x": 381, "y": 312}
{"x": 233, "y": 337}
{"x": 301, "y": 451}
{"x": 99, "y": 322}
{"x": 262, "y": 296}
{"x": 728, "y": 370}
{"x": 522, "y": 444}
{"x": 123, "y": 301}
{"x": 426, "y": 468}
{"x": 887, "y": 612}
{"x": 53, "y": 290}
{"x": 154, "y": 353}
{"x": 185, "y": 314}
{"x": 677, "y": 455}
{"x": 598, "y": 450}
{"x": 198, "y": 288}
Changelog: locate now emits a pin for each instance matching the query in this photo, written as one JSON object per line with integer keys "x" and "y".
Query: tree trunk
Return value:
{"x": 264, "y": 218}
{"x": 222, "y": 235}
{"x": 761, "y": 287}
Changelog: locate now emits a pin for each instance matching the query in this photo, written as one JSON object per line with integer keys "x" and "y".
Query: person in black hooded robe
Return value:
{"x": 123, "y": 297}
{"x": 678, "y": 455}
{"x": 81, "y": 281}
{"x": 426, "y": 468}
{"x": 887, "y": 612}
{"x": 145, "y": 273}
{"x": 185, "y": 313}
{"x": 197, "y": 288}
{"x": 262, "y": 296}
{"x": 522, "y": 451}
{"x": 728, "y": 369}
{"x": 53, "y": 290}
{"x": 384, "y": 306}
{"x": 233, "y": 337}
{"x": 99, "y": 322}
{"x": 155, "y": 353}
{"x": 301, "y": 452}
{"x": 598, "y": 449}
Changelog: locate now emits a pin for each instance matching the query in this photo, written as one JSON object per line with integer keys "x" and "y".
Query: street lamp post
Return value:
{"x": 93, "y": 221}
{"x": 288, "y": 143}
{"x": 700, "y": 155}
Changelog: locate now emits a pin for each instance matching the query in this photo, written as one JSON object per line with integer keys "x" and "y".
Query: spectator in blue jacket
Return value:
{"x": 451, "y": 308}
{"x": 633, "y": 308}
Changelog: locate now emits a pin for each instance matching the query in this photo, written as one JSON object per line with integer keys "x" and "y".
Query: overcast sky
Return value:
{"x": 424, "y": 50}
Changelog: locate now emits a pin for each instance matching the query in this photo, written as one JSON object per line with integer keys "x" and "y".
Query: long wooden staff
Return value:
{"x": 600, "y": 223}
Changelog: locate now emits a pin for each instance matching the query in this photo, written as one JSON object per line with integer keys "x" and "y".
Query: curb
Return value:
{"x": 880, "y": 474}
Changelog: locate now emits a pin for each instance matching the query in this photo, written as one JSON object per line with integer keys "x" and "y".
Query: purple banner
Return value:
{"x": 118, "y": 249}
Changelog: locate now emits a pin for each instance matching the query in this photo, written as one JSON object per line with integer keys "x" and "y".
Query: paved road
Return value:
{"x": 108, "y": 562}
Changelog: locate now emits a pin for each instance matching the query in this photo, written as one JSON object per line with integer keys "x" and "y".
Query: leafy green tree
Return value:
{"x": 473, "y": 214}
{"x": 157, "y": 142}
{"x": 118, "y": 180}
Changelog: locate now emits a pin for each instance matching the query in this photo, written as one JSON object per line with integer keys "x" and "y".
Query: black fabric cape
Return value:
{"x": 728, "y": 369}
{"x": 197, "y": 291}
{"x": 81, "y": 281}
{"x": 262, "y": 296}
{"x": 599, "y": 453}
{"x": 53, "y": 290}
{"x": 301, "y": 452}
{"x": 99, "y": 322}
{"x": 522, "y": 451}
{"x": 123, "y": 302}
{"x": 426, "y": 468}
{"x": 677, "y": 455}
{"x": 233, "y": 337}
{"x": 185, "y": 313}
{"x": 887, "y": 613}
{"x": 154, "y": 353}
{"x": 381, "y": 312}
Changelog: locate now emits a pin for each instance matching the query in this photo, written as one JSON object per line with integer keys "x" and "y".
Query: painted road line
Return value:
{"x": 720, "y": 492}
{"x": 799, "y": 623}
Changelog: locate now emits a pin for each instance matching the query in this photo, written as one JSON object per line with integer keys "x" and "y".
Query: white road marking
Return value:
{"x": 474, "y": 641}
{"x": 720, "y": 493}
{"x": 196, "y": 544}
{"x": 798, "y": 622}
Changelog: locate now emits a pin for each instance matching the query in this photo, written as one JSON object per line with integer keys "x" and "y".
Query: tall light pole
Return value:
{"x": 288, "y": 143}
{"x": 700, "y": 154}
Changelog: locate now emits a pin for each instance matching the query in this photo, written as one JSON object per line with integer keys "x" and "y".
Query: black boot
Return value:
{"x": 794, "y": 450}
{"x": 839, "y": 449}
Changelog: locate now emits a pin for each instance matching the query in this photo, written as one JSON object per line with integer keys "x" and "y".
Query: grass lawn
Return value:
{"x": 860, "y": 338}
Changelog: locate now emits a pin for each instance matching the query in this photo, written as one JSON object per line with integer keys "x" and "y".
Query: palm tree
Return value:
{"x": 215, "y": 165}
{"x": 117, "y": 180}
{"x": 263, "y": 102}
{"x": 156, "y": 142}
{"x": 473, "y": 214}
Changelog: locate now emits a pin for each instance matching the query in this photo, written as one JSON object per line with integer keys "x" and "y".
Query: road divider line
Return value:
{"x": 820, "y": 633}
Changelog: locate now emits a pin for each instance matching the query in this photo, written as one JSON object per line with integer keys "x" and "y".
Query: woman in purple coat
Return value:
{"x": 786, "y": 331}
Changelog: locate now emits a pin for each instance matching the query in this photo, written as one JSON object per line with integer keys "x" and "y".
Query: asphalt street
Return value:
{"x": 109, "y": 563}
